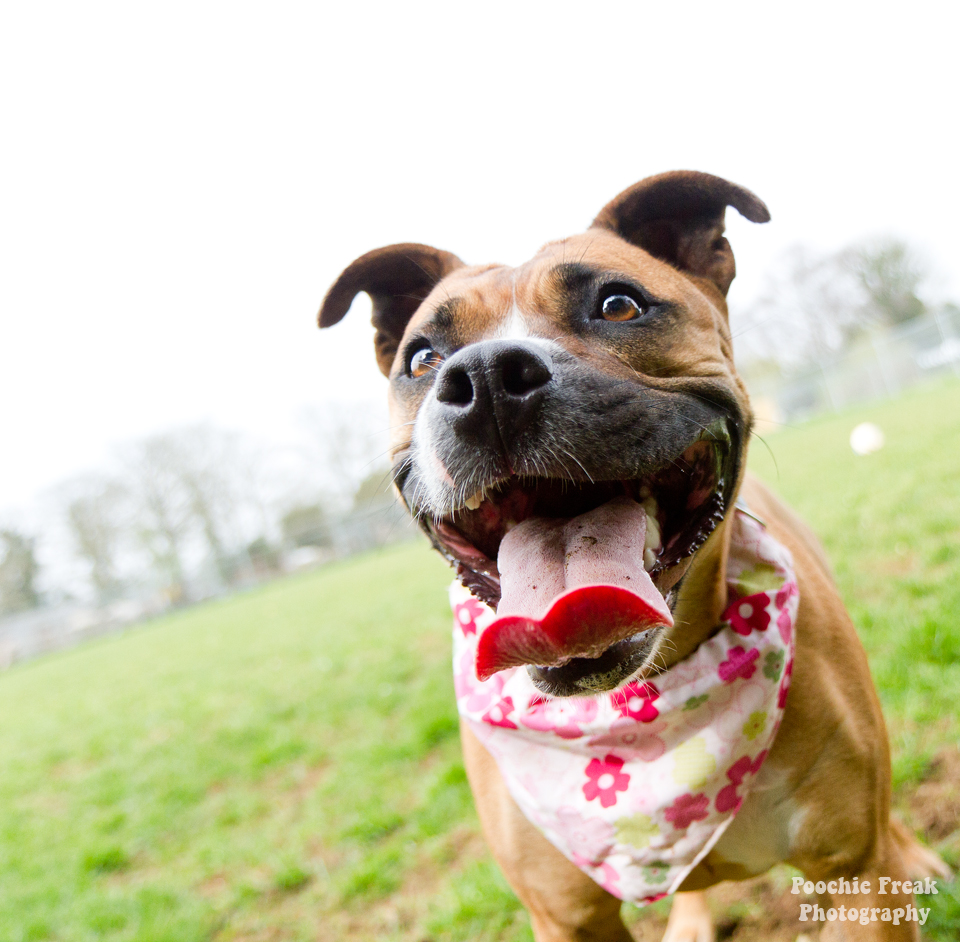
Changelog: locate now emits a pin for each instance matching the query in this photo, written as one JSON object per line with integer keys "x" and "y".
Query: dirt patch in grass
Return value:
{"x": 216, "y": 885}
{"x": 934, "y": 805}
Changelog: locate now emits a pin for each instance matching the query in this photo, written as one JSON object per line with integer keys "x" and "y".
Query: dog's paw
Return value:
{"x": 919, "y": 861}
{"x": 690, "y": 919}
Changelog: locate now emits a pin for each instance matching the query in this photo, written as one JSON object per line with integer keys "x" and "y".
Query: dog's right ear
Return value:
{"x": 678, "y": 217}
{"x": 397, "y": 278}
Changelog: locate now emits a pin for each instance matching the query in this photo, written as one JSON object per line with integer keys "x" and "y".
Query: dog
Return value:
{"x": 571, "y": 434}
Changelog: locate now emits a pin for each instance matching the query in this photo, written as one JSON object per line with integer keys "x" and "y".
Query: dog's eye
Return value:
{"x": 620, "y": 307}
{"x": 424, "y": 360}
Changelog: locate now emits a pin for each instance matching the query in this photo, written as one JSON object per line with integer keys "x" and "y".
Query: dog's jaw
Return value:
{"x": 676, "y": 549}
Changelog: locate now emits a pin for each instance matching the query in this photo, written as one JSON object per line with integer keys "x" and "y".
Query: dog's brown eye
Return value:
{"x": 424, "y": 360}
{"x": 620, "y": 307}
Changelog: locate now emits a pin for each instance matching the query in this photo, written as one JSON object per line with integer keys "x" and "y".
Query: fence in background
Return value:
{"x": 881, "y": 365}
{"x": 55, "y": 627}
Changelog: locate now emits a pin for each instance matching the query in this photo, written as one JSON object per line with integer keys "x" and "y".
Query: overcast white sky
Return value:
{"x": 180, "y": 182}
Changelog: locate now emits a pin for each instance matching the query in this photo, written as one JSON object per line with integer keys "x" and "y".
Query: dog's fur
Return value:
{"x": 623, "y": 397}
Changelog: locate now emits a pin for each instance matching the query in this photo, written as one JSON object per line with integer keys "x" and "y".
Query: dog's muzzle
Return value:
{"x": 522, "y": 434}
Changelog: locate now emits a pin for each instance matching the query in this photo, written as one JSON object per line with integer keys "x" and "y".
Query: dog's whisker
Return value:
{"x": 573, "y": 457}
{"x": 773, "y": 457}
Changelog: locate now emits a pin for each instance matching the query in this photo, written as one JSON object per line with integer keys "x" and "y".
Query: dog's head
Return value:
{"x": 600, "y": 371}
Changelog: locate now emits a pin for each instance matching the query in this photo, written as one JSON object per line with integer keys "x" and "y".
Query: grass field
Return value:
{"x": 284, "y": 765}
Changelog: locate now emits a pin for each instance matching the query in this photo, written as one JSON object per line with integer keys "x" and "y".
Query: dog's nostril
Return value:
{"x": 523, "y": 372}
{"x": 455, "y": 387}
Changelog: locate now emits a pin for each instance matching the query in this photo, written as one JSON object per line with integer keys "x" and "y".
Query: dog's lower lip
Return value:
{"x": 583, "y": 676}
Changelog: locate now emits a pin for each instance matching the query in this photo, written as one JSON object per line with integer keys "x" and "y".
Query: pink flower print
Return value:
{"x": 561, "y": 716}
{"x": 708, "y": 710}
{"x": 466, "y": 614}
{"x": 641, "y": 740}
{"x": 498, "y": 713}
{"x": 605, "y": 779}
{"x": 609, "y": 880}
{"x": 788, "y": 589}
{"x": 687, "y": 809}
{"x": 652, "y": 899}
{"x": 636, "y": 701}
{"x": 593, "y": 837}
{"x": 485, "y": 693}
{"x": 727, "y": 797}
{"x": 785, "y": 685}
{"x": 740, "y": 664}
{"x": 536, "y": 716}
{"x": 784, "y": 622}
{"x": 749, "y": 614}
{"x": 464, "y": 679}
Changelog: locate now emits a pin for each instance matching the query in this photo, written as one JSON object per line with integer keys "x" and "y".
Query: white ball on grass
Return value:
{"x": 866, "y": 438}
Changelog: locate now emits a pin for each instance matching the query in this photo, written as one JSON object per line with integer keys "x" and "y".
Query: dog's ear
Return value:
{"x": 678, "y": 217}
{"x": 397, "y": 278}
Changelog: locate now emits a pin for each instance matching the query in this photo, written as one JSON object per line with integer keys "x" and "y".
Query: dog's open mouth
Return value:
{"x": 580, "y": 572}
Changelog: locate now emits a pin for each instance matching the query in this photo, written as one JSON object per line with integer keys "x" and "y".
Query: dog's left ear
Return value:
{"x": 678, "y": 217}
{"x": 397, "y": 278}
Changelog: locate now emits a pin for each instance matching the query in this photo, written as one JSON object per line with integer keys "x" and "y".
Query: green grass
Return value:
{"x": 285, "y": 764}
{"x": 891, "y": 524}
{"x": 286, "y": 759}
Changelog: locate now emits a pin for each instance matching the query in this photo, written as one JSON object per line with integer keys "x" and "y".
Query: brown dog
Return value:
{"x": 589, "y": 375}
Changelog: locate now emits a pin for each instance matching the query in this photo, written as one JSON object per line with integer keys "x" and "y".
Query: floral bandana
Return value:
{"x": 636, "y": 786}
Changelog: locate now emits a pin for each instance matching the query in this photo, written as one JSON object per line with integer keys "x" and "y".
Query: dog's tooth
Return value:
{"x": 474, "y": 501}
{"x": 651, "y": 539}
{"x": 649, "y": 559}
{"x": 508, "y": 525}
{"x": 644, "y": 492}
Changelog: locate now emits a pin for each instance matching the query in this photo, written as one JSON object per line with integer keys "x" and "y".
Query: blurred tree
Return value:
{"x": 95, "y": 519}
{"x": 890, "y": 276}
{"x": 306, "y": 525}
{"x": 807, "y": 307}
{"x": 812, "y": 306}
{"x": 347, "y": 440}
{"x": 18, "y": 573}
{"x": 195, "y": 484}
{"x": 375, "y": 488}
{"x": 205, "y": 457}
{"x": 163, "y": 512}
{"x": 264, "y": 558}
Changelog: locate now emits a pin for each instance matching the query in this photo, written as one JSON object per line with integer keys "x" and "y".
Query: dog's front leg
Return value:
{"x": 690, "y": 919}
{"x": 565, "y": 905}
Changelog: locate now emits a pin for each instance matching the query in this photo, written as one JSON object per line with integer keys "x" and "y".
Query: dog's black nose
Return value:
{"x": 508, "y": 370}
{"x": 493, "y": 389}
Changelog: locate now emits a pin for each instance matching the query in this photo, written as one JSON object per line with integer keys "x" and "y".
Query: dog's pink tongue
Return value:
{"x": 571, "y": 588}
